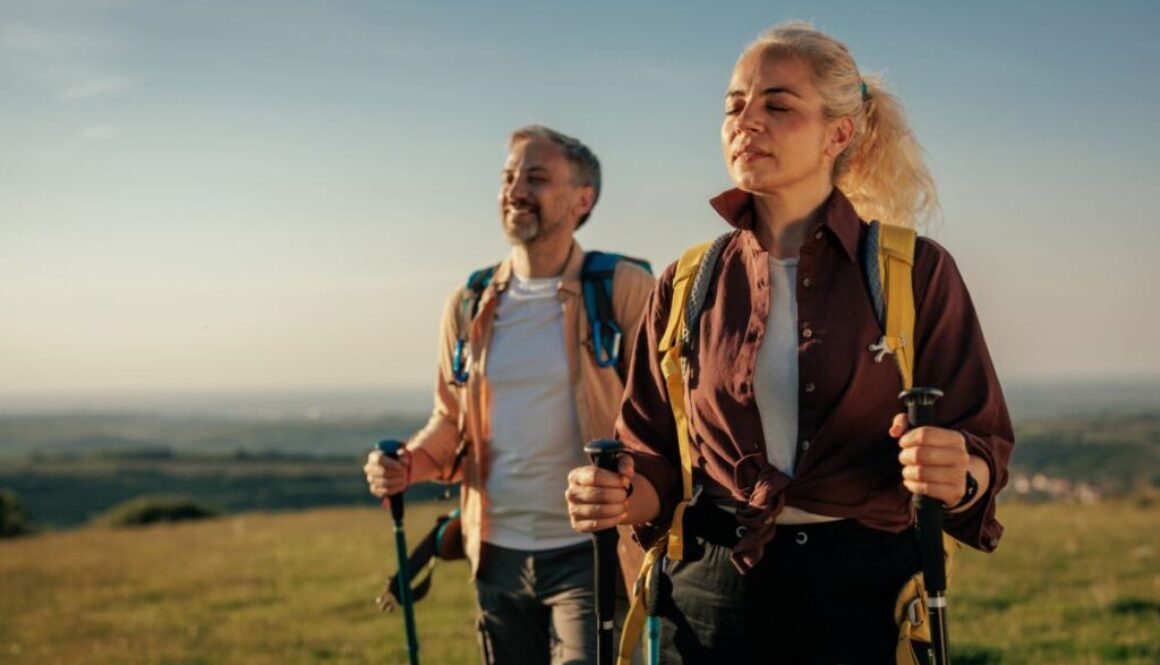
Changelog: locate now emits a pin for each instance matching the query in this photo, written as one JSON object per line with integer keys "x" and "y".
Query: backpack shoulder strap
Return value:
{"x": 888, "y": 260}
{"x": 596, "y": 283}
{"x": 690, "y": 286}
{"x": 477, "y": 283}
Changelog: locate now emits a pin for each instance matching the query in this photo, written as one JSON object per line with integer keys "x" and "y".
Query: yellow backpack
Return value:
{"x": 888, "y": 260}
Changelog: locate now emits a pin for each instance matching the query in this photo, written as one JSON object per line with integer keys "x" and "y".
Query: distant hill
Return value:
{"x": 102, "y": 433}
{"x": 1042, "y": 400}
{"x": 1081, "y": 442}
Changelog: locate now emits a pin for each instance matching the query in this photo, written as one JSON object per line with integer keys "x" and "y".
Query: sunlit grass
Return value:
{"x": 1069, "y": 584}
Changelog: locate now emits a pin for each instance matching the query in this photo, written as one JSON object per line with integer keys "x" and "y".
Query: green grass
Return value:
{"x": 1069, "y": 584}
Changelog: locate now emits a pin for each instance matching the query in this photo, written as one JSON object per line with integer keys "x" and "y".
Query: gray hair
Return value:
{"x": 585, "y": 166}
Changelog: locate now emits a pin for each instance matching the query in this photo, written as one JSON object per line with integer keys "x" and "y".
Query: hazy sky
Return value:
{"x": 281, "y": 194}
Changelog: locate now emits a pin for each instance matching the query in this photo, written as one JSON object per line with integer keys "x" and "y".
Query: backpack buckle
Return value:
{"x": 696, "y": 495}
{"x": 880, "y": 349}
{"x": 914, "y": 612}
{"x": 883, "y": 347}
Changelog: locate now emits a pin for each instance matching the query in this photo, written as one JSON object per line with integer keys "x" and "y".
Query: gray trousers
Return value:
{"x": 536, "y": 607}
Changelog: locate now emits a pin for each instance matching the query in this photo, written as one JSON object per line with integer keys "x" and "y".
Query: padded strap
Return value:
{"x": 895, "y": 265}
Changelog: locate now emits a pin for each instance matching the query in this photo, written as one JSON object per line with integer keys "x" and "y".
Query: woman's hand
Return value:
{"x": 934, "y": 461}
{"x": 598, "y": 499}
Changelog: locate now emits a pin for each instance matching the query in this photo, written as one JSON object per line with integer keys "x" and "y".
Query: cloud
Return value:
{"x": 100, "y": 132}
{"x": 93, "y": 87}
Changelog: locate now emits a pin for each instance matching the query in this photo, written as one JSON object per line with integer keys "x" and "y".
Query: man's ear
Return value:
{"x": 585, "y": 201}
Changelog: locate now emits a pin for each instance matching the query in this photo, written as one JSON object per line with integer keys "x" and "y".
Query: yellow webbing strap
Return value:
{"x": 670, "y": 350}
{"x": 895, "y": 264}
{"x": 637, "y": 612}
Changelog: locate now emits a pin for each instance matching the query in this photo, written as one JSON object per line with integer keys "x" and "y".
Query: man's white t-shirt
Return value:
{"x": 535, "y": 429}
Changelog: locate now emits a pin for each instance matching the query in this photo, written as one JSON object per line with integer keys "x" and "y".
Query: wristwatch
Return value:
{"x": 969, "y": 495}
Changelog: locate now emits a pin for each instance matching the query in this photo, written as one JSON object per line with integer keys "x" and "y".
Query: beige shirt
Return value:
{"x": 597, "y": 392}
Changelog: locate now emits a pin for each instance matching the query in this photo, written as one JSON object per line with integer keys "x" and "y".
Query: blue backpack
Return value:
{"x": 596, "y": 284}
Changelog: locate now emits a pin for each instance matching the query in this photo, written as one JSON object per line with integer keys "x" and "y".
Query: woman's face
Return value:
{"x": 775, "y": 137}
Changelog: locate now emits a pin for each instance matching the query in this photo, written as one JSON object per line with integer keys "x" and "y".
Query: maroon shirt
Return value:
{"x": 847, "y": 462}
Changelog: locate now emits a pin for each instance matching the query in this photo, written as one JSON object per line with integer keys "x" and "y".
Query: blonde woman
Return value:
{"x": 800, "y": 539}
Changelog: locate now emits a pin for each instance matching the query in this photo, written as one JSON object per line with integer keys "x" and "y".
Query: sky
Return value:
{"x": 281, "y": 194}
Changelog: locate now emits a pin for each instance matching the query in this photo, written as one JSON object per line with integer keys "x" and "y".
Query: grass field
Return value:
{"x": 1069, "y": 584}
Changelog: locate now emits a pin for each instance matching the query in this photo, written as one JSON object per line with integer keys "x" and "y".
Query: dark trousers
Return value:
{"x": 822, "y": 594}
{"x": 536, "y": 607}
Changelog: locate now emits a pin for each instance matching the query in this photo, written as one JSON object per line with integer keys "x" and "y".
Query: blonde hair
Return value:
{"x": 882, "y": 171}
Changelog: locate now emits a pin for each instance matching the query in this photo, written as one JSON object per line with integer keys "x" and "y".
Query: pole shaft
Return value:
{"x": 391, "y": 448}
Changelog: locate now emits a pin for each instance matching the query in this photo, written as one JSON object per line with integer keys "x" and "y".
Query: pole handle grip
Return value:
{"x": 920, "y": 412}
{"x": 605, "y": 453}
{"x": 391, "y": 448}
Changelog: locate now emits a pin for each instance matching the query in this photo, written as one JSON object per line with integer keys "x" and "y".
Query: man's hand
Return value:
{"x": 386, "y": 476}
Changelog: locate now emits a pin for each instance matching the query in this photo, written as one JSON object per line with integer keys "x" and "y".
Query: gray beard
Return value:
{"x": 528, "y": 234}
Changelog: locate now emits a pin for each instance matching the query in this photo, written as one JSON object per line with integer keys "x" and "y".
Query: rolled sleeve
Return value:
{"x": 645, "y": 425}
{"x": 440, "y": 437}
{"x": 953, "y": 356}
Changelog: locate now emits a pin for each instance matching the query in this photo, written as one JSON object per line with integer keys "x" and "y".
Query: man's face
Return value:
{"x": 538, "y": 196}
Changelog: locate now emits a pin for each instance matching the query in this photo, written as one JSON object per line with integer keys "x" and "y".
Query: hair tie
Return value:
{"x": 865, "y": 91}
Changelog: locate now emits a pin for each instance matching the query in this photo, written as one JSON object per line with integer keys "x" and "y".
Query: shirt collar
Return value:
{"x": 569, "y": 279}
{"x": 838, "y": 216}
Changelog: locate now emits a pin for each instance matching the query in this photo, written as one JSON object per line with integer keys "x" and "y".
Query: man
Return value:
{"x": 525, "y": 394}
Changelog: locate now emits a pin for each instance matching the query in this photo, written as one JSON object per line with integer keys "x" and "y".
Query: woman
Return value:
{"x": 800, "y": 540}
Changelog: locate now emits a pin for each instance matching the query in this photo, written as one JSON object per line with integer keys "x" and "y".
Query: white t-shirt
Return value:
{"x": 535, "y": 429}
{"x": 775, "y": 384}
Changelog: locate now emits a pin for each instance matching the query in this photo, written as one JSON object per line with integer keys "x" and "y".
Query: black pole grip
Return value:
{"x": 920, "y": 413}
{"x": 605, "y": 454}
{"x": 391, "y": 448}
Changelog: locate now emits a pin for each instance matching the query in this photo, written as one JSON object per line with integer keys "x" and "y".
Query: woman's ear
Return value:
{"x": 841, "y": 134}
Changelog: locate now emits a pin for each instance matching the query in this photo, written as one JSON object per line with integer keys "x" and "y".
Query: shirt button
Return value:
{"x": 818, "y": 235}
{"x": 807, "y": 282}
{"x": 807, "y": 333}
{"x": 809, "y": 387}
{"x": 805, "y": 444}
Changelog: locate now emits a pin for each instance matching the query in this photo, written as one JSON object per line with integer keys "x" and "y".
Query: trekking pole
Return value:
{"x": 605, "y": 454}
{"x": 390, "y": 448}
{"x": 919, "y": 413}
{"x": 653, "y": 619}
